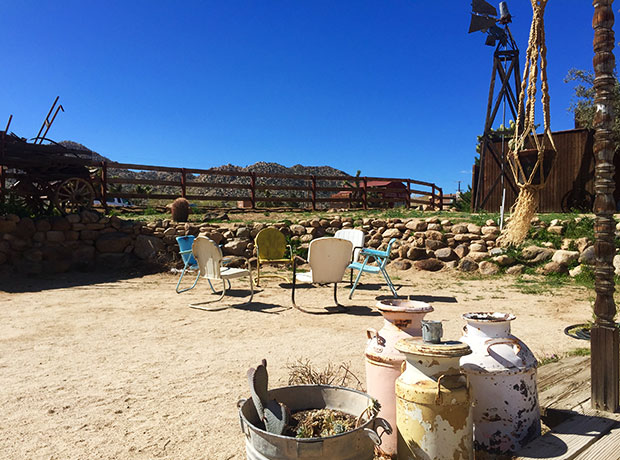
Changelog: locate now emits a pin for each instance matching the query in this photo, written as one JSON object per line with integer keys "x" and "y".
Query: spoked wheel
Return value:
{"x": 73, "y": 195}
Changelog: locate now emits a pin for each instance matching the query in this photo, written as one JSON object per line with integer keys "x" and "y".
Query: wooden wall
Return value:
{"x": 570, "y": 184}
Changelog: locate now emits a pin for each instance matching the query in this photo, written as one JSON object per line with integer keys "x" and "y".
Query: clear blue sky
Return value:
{"x": 391, "y": 87}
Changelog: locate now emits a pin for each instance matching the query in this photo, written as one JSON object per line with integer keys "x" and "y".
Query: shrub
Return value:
{"x": 180, "y": 210}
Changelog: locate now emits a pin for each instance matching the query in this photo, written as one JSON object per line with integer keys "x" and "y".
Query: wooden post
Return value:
{"x": 408, "y": 194}
{"x": 313, "y": 192}
{"x": 104, "y": 184}
{"x": 365, "y": 194}
{"x": 253, "y": 189}
{"x": 183, "y": 183}
{"x": 440, "y": 198}
{"x": 604, "y": 335}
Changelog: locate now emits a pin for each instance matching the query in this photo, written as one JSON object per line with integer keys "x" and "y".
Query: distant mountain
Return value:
{"x": 260, "y": 167}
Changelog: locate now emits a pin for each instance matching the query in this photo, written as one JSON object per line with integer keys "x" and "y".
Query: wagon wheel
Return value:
{"x": 73, "y": 195}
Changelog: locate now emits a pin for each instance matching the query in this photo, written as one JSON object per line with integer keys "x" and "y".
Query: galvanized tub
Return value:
{"x": 357, "y": 444}
{"x": 401, "y": 319}
{"x": 502, "y": 375}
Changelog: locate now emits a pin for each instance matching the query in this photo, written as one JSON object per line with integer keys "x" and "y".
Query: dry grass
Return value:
{"x": 305, "y": 373}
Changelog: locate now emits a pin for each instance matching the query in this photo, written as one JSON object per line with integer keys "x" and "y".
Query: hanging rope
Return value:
{"x": 529, "y": 172}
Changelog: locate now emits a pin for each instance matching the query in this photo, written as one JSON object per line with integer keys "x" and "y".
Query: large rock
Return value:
{"x": 515, "y": 270}
{"x": 488, "y": 268}
{"x": 459, "y": 229}
{"x": 477, "y": 247}
{"x": 26, "y": 228}
{"x": 434, "y": 235}
{"x": 478, "y": 256}
{"x": 392, "y": 233}
{"x": 235, "y": 247}
{"x": 430, "y": 265}
{"x": 7, "y": 226}
{"x": 433, "y": 245}
{"x": 616, "y": 263}
{"x": 401, "y": 264}
{"x": 473, "y": 228}
{"x": 416, "y": 253}
{"x": 445, "y": 254}
{"x": 565, "y": 257}
{"x": 147, "y": 247}
{"x": 461, "y": 250}
{"x": 416, "y": 225}
{"x": 536, "y": 254}
{"x": 504, "y": 260}
{"x": 60, "y": 223}
{"x": 112, "y": 242}
{"x": 553, "y": 268}
{"x": 588, "y": 256}
{"x": 468, "y": 265}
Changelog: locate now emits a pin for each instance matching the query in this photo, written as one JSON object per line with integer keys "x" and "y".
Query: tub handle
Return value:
{"x": 371, "y": 333}
{"x": 373, "y": 435}
{"x": 403, "y": 366}
{"x": 244, "y": 429}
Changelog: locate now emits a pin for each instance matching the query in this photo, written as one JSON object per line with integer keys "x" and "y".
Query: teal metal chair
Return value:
{"x": 189, "y": 262}
{"x": 381, "y": 259}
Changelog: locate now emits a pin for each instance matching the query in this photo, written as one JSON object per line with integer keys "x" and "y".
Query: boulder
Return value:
{"x": 42, "y": 225}
{"x": 26, "y": 227}
{"x": 553, "y": 268}
{"x": 392, "y": 233}
{"x": 461, "y": 250}
{"x": 515, "y": 270}
{"x": 504, "y": 260}
{"x": 112, "y": 242}
{"x": 487, "y": 230}
{"x": 477, "y": 247}
{"x": 434, "y": 235}
{"x": 467, "y": 265}
{"x": 616, "y": 263}
{"x": 536, "y": 254}
{"x": 576, "y": 271}
{"x": 431, "y": 265}
{"x": 433, "y": 245}
{"x": 588, "y": 256}
{"x": 445, "y": 254}
{"x": 7, "y": 226}
{"x": 473, "y": 228}
{"x": 235, "y": 247}
{"x": 565, "y": 257}
{"x": 416, "y": 225}
{"x": 401, "y": 264}
{"x": 478, "y": 256}
{"x": 55, "y": 236}
{"x": 555, "y": 229}
{"x": 488, "y": 268}
{"x": 147, "y": 247}
{"x": 415, "y": 253}
{"x": 60, "y": 223}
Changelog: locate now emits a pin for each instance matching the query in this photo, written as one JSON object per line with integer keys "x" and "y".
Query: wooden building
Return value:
{"x": 570, "y": 184}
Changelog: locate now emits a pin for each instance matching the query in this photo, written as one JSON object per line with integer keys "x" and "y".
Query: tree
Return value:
{"x": 582, "y": 104}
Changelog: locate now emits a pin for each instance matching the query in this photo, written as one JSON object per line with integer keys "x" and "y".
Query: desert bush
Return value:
{"x": 180, "y": 210}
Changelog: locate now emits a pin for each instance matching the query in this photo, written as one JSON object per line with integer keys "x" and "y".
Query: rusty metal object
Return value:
{"x": 604, "y": 336}
{"x": 502, "y": 375}
{"x": 401, "y": 319}
{"x": 433, "y": 406}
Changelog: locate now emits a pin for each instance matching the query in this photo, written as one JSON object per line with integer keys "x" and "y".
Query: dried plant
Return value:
{"x": 303, "y": 372}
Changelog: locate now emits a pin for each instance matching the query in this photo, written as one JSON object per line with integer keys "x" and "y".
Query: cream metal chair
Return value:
{"x": 271, "y": 249}
{"x": 328, "y": 259}
{"x": 357, "y": 238}
{"x": 209, "y": 258}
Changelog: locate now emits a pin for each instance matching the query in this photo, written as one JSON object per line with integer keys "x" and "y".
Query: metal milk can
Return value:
{"x": 401, "y": 319}
{"x": 502, "y": 376}
{"x": 433, "y": 410}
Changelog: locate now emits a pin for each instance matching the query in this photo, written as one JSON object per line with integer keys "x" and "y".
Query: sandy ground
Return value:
{"x": 95, "y": 366}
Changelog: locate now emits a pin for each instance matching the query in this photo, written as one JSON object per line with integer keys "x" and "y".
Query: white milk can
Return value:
{"x": 433, "y": 406}
{"x": 401, "y": 319}
{"x": 502, "y": 376}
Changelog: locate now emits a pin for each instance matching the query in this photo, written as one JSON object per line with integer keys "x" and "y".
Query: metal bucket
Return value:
{"x": 357, "y": 444}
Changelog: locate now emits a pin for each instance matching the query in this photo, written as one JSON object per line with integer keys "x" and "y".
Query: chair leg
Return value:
{"x": 199, "y": 306}
{"x": 257, "y": 273}
{"x": 388, "y": 280}
{"x": 359, "y": 275}
{"x": 294, "y": 284}
{"x": 181, "y": 277}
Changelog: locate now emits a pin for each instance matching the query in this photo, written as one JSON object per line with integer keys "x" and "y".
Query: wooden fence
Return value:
{"x": 253, "y": 194}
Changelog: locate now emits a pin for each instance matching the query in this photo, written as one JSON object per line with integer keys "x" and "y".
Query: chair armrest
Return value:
{"x": 373, "y": 252}
{"x": 189, "y": 251}
{"x": 290, "y": 251}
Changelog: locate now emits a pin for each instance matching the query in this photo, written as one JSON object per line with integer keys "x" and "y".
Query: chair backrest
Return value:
{"x": 387, "y": 251}
{"x": 185, "y": 244}
{"x": 356, "y": 237}
{"x": 209, "y": 257}
{"x": 270, "y": 244}
{"x": 328, "y": 259}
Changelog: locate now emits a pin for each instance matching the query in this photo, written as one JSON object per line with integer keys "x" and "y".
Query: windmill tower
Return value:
{"x": 503, "y": 95}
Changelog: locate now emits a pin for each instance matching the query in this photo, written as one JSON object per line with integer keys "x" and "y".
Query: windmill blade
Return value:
{"x": 482, "y": 7}
{"x": 480, "y": 23}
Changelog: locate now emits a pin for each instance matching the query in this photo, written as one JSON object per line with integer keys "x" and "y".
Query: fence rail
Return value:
{"x": 361, "y": 194}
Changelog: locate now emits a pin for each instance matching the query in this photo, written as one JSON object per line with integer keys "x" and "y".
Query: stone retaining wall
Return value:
{"x": 90, "y": 239}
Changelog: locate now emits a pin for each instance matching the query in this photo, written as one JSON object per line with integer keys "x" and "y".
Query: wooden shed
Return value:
{"x": 570, "y": 185}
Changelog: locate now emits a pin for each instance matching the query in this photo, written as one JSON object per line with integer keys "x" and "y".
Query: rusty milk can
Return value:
{"x": 401, "y": 319}
{"x": 433, "y": 410}
{"x": 502, "y": 376}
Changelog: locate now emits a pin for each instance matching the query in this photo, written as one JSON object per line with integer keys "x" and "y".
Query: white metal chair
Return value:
{"x": 209, "y": 258}
{"x": 328, "y": 259}
{"x": 357, "y": 238}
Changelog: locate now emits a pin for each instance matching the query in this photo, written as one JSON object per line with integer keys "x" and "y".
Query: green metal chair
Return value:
{"x": 271, "y": 249}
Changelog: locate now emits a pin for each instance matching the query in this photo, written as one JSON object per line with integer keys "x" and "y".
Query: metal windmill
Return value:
{"x": 505, "y": 75}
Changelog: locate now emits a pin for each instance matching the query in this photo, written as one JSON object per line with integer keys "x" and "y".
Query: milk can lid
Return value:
{"x": 404, "y": 305}
{"x": 488, "y": 316}
{"x": 445, "y": 348}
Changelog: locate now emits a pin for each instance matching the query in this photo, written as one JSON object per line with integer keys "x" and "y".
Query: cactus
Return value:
{"x": 180, "y": 210}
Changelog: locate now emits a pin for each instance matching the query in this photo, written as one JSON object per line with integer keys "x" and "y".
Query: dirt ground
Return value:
{"x": 100, "y": 366}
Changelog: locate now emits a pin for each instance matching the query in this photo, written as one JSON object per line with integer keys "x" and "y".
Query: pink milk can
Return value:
{"x": 401, "y": 319}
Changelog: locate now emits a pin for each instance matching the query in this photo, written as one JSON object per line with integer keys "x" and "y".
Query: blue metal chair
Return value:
{"x": 381, "y": 258}
{"x": 189, "y": 262}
